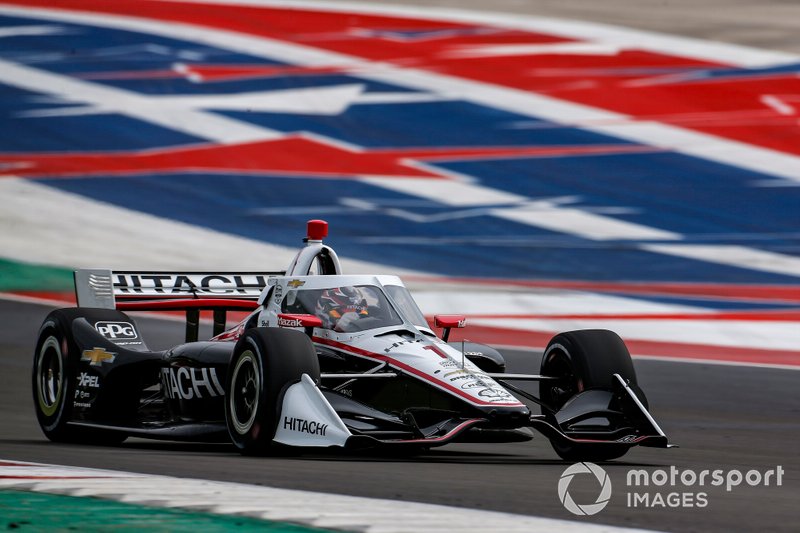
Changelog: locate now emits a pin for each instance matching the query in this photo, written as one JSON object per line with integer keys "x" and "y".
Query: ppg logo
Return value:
{"x": 116, "y": 330}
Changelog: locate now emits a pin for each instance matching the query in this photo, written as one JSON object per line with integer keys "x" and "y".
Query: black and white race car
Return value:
{"x": 322, "y": 359}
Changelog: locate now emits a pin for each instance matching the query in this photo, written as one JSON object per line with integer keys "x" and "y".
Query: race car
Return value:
{"x": 321, "y": 360}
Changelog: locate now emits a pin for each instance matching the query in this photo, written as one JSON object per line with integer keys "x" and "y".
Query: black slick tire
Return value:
{"x": 583, "y": 360}
{"x": 265, "y": 362}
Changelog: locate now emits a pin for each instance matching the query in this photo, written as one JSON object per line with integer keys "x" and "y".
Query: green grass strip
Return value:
{"x": 16, "y": 276}
{"x": 34, "y": 511}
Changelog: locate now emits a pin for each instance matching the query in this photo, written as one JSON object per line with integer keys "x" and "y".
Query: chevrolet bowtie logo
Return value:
{"x": 98, "y": 356}
{"x": 296, "y": 283}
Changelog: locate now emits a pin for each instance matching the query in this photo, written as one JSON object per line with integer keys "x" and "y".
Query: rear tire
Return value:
{"x": 265, "y": 362}
{"x": 55, "y": 365}
{"x": 583, "y": 360}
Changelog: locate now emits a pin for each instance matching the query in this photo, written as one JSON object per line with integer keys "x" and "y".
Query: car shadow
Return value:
{"x": 437, "y": 456}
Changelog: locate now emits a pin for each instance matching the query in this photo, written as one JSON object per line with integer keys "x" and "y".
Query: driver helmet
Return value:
{"x": 333, "y": 304}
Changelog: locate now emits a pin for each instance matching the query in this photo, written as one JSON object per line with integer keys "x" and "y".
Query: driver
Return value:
{"x": 340, "y": 307}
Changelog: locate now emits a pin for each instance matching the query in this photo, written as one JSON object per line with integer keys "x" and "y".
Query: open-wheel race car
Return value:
{"x": 322, "y": 359}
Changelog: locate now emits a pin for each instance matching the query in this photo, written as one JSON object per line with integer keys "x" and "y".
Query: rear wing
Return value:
{"x": 163, "y": 291}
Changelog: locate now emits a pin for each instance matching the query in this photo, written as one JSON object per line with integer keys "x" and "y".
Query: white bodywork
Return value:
{"x": 307, "y": 419}
{"x": 409, "y": 348}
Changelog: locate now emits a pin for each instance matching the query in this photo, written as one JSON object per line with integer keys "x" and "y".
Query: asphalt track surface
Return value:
{"x": 723, "y": 417}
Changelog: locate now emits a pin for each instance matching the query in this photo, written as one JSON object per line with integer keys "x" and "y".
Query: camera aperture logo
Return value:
{"x": 663, "y": 488}
{"x": 602, "y": 498}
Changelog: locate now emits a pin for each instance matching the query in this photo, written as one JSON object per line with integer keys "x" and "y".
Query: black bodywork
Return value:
{"x": 178, "y": 394}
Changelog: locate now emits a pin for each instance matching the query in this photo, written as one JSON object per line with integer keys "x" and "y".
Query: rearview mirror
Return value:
{"x": 447, "y": 322}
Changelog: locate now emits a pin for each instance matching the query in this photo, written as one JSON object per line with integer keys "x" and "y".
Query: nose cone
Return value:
{"x": 506, "y": 416}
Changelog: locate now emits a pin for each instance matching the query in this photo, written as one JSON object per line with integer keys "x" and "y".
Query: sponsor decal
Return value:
{"x": 190, "y": 383}
{"x": 473, "y": 354}
{"x": 449, "y": 363}
{"x": 277, "y": 293}
{"x": 295, "y": 283}
{"x": 116, "y": 330}
{"x": 88, "y": 380}
{"x": 459, "y": 378}
{"x": 289, "y": 322}
{"x": 487, "y": 391}
{"x": 83, "y": 398}
{"x": 297, "y": 321}
{"x": 304, "y": 426}
{"x": 238, "y": 284}
{"x": 494, "y": 393}
{"x": 97, "y": 356}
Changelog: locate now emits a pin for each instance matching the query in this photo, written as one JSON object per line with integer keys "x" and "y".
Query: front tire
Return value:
{"x": 265, "y": 362}
{"x": 583, "y": 360}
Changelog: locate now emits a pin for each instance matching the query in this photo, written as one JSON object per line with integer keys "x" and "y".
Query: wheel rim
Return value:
{"x": 244, "y": 393}
{"x": 557, "y": 364}
{"x": 50, "y": 376}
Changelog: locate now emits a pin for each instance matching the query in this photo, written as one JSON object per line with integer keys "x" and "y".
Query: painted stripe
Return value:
{"x": 732, "y": 255}
{"x": 583, "y": 224}
{"x": 164, "y": 111}
{"x": 681, "y": 140}
{"x": 348, "y": 513}
{"x": 621, "y": 37}
{"x": 123, "y": 239}
{"x": 679, "y": 352}
{"x": 703, "y": 351}
{"x": 752, "y": 316}
{"x": 106, "y": 99}
{"x": 543, "y": 214}
{"x": 723, "y": 334}
{"x": 668, "y": 137}
{"x": 722, "y": 291}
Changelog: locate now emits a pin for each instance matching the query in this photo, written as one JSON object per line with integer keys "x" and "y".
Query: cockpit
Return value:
{"x": 353, "y": 308}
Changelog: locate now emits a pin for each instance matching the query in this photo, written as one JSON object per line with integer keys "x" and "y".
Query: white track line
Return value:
{"x": 349, "y": 513}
